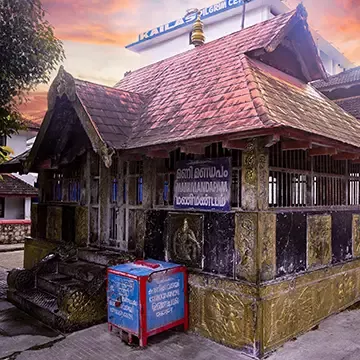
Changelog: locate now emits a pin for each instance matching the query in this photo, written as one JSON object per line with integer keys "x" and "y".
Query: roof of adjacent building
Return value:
{"x": 15, "y": 164}
{"x": 10, "y": 185}
{"x": 345, "y": 78}
{"x": 350, "y": 105}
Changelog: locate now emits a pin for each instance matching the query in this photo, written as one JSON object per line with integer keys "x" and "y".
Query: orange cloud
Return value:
{"x": 343, "y": 24}
{"x": 35, "y": 108}
{"x": 96, "y": 34}
{"x": 96, "y": 21}
{"x": 86, "y": 7}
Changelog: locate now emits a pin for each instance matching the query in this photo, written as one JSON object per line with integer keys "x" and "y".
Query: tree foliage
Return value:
{"x": 29, "y": 53}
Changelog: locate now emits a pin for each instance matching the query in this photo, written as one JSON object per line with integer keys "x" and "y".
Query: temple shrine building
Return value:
{"x": 224, "y": 158}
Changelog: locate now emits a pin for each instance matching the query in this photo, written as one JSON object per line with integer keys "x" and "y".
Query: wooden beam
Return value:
{"x": 322, "y": 151}
{"x": 357, "y": 161}
{"x": 193, "y": 149}
{"x": 295, "y": 145}
{"x": 293, "y": 48}
{"x": 235, "y": 144}
{"x": 161, "y": 154}
{"x": 272, "y": 140}
{"x": 346, "y": 156}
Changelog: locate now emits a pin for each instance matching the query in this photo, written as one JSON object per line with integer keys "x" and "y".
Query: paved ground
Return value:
{"x": 11, "y": 247}
{"x": 23, "y": 338}
{"x": 10, "y": 260}
{"x": 18, "y": 331}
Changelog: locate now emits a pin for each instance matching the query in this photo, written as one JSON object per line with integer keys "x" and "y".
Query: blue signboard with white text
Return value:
{"x": 206, "y": 12}
{"x": 203, "y": 184}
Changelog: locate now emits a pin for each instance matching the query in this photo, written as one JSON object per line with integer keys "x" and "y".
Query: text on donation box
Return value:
{"x": 165, "y": 299}
{"x": 123, "y": 307}
{"x": 204, "y": 184}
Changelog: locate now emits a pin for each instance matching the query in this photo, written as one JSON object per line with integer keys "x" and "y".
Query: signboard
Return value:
{"x": 204, "y": 184}
{"x": 189, "y": 19}
{"x": 164, "y": 299}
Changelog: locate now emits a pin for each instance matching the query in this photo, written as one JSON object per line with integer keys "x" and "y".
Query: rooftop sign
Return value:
{"x": 188, "y": 19}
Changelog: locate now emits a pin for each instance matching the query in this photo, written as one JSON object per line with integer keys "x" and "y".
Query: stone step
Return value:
{"x": 54, "y": 283}
{"x": 102, "y": 257}
{"x": 81, "y": 270}
{"x": 39, "y": 304}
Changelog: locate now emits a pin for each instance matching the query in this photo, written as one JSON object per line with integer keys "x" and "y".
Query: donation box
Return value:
{"x": 147, "y": 297}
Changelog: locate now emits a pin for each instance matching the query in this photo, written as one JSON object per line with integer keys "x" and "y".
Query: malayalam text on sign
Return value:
{"x": 203, "y": 184}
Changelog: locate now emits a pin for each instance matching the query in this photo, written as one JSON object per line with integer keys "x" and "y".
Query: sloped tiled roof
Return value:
{"x": 292, "y": 103}
{"x": 350, "y": 105}
{"x": 201, "y": 92}
{"x": 10, "y": 185}
{"x": 15, "y": 164}
{"x": 214, "y": 89}
{"x": 347, "y": 77}
{"x": 113, "y": 111}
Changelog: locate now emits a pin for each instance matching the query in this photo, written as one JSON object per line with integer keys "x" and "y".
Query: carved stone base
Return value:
{"x": 259, "y": 318}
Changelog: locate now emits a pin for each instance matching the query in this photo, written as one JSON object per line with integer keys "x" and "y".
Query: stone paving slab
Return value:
{"x": 19, "y": 331}
{"x": 336, "y": 339}
{"x": 11, "y": 247}
{"x": 11, "y": 260}
{"x": 97, "y": 343}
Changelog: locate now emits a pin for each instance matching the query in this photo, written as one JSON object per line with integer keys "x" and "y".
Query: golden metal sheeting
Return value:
{"x": 318, "y": 240}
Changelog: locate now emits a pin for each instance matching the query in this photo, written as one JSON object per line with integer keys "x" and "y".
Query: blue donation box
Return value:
{"x": 147, "y": 297}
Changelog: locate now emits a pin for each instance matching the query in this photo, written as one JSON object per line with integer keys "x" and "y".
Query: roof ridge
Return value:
{"x": 348, "y": 98}
{"x": 255, "y": 92}
{"x": 235, "y": 33}
{"x": 109, "y": 87}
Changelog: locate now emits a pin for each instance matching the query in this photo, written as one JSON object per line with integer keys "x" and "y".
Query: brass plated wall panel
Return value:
{"x": 318, "y": 240}
{"x": 356, "y": 234}
{"x": 246, "y": 230}
{"x": 35, "y": 250}
{"x": 294, "y": 306}
{"x": 81, "y": 225}
{"x": 267, "y": 245}
{"x": 54, "y": 223}
{"x": 224, "y": 311}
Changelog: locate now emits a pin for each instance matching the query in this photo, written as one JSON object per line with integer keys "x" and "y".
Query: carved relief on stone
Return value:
{"x": 267, "y": 245}
{"x": 245, "y": 245}
{"x": 292, "y": 307}
{"x": 185, "y": 239}
{"x": 54, "y": 223}
{"x": 81, "y": 225}
{"x": 255, "y": 176}
{"x": 228, "y": 318}
{"x": 356, "y": 235}
{"x": 319, "y": 240}
{"x": 263, "y": 175}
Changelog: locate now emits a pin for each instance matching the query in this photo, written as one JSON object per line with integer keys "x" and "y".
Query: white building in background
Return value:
{"x": 220, "y": 19}
{"x": 17, "y": 191}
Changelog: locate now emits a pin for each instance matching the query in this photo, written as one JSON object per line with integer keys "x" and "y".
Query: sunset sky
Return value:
{"x": 94, "y": 33}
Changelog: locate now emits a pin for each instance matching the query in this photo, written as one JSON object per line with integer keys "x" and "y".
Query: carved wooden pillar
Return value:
{"x": 255, "y": 228}
{"x": 104, "y": 203}
{"x": 255, "y": 176}
{"x": 149, "y": 178}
